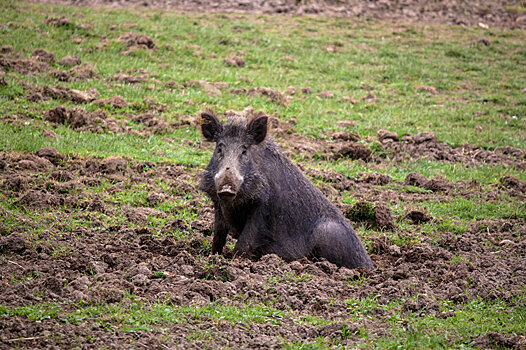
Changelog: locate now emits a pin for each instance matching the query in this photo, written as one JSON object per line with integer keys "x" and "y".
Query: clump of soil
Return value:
{"x": 15, "y": 62}
{"x": 211, "y": 88}
{"x": 273, "y": 95}
{"x": 137, "y": 40}
{"x": 14, "y": 243}
{"x": 58, "y": 21}
{"x": 416, "y": 179}
{"x": 376, "y": 179}
{"x": 387, "y": 135}
{"x": 235, "y": 61}
{"x": 373, "y": 215}
{"x": 497, "y": 340}
{"x": 155, "y": 125}
{"x": 50, "y": 154}
{"x": 425, "y": 144}
{"x": 417, "y": 217}
{"x": 127, "y": 78}
{"x": 70, "y": 61}
{"x": 62, "y": 75}
{"x": 59, "y": 92}
{"x": 77, "y": 118}
{"x": 82, "y": 120}
{"x": 436, "y": 184}
{"x": 513, "y": 184}
{"x": 325, "y": 94}
{"x": 43, "y": 56}
{"x": 115, "y": 102}
{"x": 84, "y": 71}
{"x": 350, "y": 150}
{"x": 344, "y": 136}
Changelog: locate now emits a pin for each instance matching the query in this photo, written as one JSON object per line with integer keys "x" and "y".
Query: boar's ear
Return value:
{"x": 257, "y": 128}
{"x": 210, "y": 126}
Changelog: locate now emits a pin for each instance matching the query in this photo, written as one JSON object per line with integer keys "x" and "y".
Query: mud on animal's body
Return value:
{"x": 264, "y": 201}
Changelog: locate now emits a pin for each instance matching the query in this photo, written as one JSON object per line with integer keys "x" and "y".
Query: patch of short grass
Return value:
{"x": 152, "y": 148}
{"x": 475, "y": 318}
{"x": 471, "y": 209}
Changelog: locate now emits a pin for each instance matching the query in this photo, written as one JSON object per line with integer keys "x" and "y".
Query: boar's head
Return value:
{"x": 232, "y": 165}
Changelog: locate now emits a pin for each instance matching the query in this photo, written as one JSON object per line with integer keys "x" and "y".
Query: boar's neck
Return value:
{"x": 236, "y": 216}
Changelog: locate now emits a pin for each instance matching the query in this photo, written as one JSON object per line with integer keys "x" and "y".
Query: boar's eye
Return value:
{"x": 244, "y": 150}
{"x": 219, "y": 150}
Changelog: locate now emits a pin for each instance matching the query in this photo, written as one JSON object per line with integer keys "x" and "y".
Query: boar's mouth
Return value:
{"x": 226, "y": 192}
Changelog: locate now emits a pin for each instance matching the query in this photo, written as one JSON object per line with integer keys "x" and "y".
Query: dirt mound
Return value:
{"x": 273, "y": 95}
{"x": 493, "y": 339}
{"x": 127, "y": 78}
{"x": 154, "y": 124}
{"x": 344, "y": 136}
{"x": 17, "y": 63}
{"x": 84, "y": 71}
{"x": 80, "y": 119}
{"x": 14, "y": 243}
{"x": 115, "y": 102}
{"x": 350, "y": 150}
{"x": 435, "y": 184}
{"x": 99, "y": 121}
{"x": 70, "y": 61}
{"x": 211, "y": 88}
{"x": 376, "y": 179}
{"x": 137, "y": 40}
{"x": 59, "y": 92}
{"x": 235, "y": 61}
{"x": 325, "y": 94}
{"x": 387, "y": 135}
{"x": 43, "y": 56}
{"x": 58, "y": 21}
{"x": 50, "y": 154}
{"x": 515, "y": 185}
{"x": 426, "y": 145}
{"x": 373, "y": 215}
{"x": 417, "y": 217}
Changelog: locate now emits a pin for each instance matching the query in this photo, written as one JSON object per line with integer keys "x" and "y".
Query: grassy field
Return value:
{"x": 463, "y": 84}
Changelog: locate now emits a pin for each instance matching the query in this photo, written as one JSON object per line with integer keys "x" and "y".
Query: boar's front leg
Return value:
{"x": 256, "y": 238}
{"x": 220, "y": 232}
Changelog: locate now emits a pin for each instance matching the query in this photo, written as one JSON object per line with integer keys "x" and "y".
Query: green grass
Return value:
{"x": 475, "y": 318}
{"x": 407, "y": 330}
{"x": 463, "y": 73}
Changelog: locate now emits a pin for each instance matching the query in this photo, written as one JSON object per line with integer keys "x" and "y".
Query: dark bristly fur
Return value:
{"x": 276, "y": 209}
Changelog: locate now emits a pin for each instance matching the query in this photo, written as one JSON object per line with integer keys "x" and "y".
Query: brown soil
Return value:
{"x": 507, "y": 13}
{"x": 10, "y": 61}
{"x": 104, "y": 264}
{"x": 426, "y": 145}
{"x": 273, "y": 95}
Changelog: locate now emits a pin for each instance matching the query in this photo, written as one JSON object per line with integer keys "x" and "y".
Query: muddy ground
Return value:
{"x": 502, "y": 13}
{"x": 107, "y": 264}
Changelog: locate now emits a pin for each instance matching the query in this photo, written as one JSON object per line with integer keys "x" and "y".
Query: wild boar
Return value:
{"x": 261, "y": 198}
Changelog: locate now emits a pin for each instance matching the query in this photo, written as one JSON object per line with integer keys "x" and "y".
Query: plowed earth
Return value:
{"x": 107, "y": 264}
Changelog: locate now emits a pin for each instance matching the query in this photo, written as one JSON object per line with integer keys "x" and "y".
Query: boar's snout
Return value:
{"x": 228, "y": 183}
